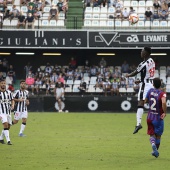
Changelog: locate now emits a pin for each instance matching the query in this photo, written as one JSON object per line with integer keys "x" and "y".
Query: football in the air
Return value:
{"x": 133, "y": 18}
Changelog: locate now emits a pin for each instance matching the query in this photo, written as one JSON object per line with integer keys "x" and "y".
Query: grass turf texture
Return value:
{"x": 86, "y": 141}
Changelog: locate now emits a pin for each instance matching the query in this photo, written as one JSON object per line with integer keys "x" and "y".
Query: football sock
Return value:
{"x": 139, "y": 115}
{"x": 152, "y": 140}
{"x": 6, "y": 133}
{"x": 22, "y": 127}
{"x": 2, "y": 135}
{"x": 158, "y": 141}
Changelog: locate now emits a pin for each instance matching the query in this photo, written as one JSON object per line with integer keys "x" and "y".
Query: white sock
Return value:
{"x": 22, "y": 128}
{"x": 6, "y": 133}
{"x": 2, "y": 135}
{"x": 139, "y": 115}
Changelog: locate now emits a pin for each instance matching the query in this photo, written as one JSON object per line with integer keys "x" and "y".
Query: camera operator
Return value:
{"x": 82, "y": 88}
{"x": 59, "y": 94}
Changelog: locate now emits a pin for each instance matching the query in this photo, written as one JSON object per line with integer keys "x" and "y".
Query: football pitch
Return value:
{"x": 83, "y": 141}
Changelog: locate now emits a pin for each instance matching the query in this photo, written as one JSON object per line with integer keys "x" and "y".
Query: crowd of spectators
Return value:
{"x": 159, "y": 10}
{"x": 35, "y": 11}
{"x": 109, "y": 79}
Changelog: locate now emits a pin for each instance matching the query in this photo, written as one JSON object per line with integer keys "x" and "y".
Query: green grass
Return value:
{"x": 85, "y": 141}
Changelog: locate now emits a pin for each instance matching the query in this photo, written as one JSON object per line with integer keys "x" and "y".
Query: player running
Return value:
{"x": 156, "y": 114}
{"x": 147, "y": 69}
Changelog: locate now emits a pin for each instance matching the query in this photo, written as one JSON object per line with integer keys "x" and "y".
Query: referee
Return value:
{"x": 6, "y": 105}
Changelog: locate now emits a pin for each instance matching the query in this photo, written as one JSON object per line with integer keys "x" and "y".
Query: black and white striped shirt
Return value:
{"x": 5, "y": 102}
{"x": 20, "y": 106}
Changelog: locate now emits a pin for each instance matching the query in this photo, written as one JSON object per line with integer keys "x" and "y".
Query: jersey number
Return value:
{"x": 153, "y": 105}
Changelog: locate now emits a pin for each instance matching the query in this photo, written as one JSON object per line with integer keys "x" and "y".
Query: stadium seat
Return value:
{"x": 91, "y": 88}
{"x": 45, "y": 15}
{"x": 75, "y": 88}
{"x": 168, "y": 88}
{"x": 53, "y": 23}
{"x": 127, "y": 3}
{"x": 141, "y": 17}
{"x": 103, "y": 16}
{"x": 68, "y": 89}
{"x": 45, "y": 23}
{"x": 9, "y": 7}
{"x": 134, "y": 3}
{"x": 48, "y": 2}
{"x": 96, "y": 10}
{"x": 69, "y": 82}
{"x": 130, "y": 90}
{"x": 6, "y": 23}
{"x": 54, "y": 2}
{"x": 87, "y": 16}
{"x": 87, "y": 23}
{"x": 110, "y": 23}
{"x": 163, "y": 24}
{"x": 111, "y": 10}
{"x": 141, "y": 10}
{"x": 125, "y": 23}
{"x": 24, "y": 9}
{"x": 36, "y": 23}
{"x": 61, "y": 15}
{"x": 93, "y": 80}
{"x": 14, "y": 23}
{"x": 169, "y": 22}
{"x": 102, "y": 23}
{"x": 122, "y": 90}
{"x": 103, "y": 10}
{"x": 140, "y": 24}
{"x": 46, "y": 9}
{"x": 95, "y": 23}
{"x": 17, "y": 2}
{"x": 162, "y": 67}
{"x": 142, "y": 4}
{"x": 60, "y": 23}
{"x": 118, "y": 23}
{"x": 149, "y": 3}
{"x": 155, "y": 24}
{"x": 148, "y": 24}
{"x": 77, "y": 82}
{"x": 95, "y": 17}
{"x": 99, "y": 90}
{"x": 88, "y": 10}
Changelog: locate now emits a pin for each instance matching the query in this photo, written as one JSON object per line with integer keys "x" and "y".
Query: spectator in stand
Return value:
{"x": 156, "y": 13}
{"x": 29, "y": 21}
{"x": 103, "y": 62}
{"x": 61, "y": 79}
{"x": 23, "y": 2}
{"x": 130, "y": 82}
{"x": 125, "y": 67}
{"x": 5, "y": 65}
{"x": 163, "y": 13}
{"x": 31, "y": 10}
{"x": 70, "y": 74}
{"x": 156, "y": 4}
{"x": 53, "y": 13}
{"x": 11, "y": 74}
{"x": 1, "y": 18}
{"x": 168, "y": 3}
{"x": 37, "y": 14}
{"x": 125, "y": 14}
{"x": 100, "y": 80}
{"x": 106, "y": 85}
{"x": 2, "y": 5}
{"x": 122, "y": 82}
{"x": 132, "y": 68}
{"x": 38, "y": 84}
{"x": 119, "y": 4}
{"x": 168, "y": 71}
{"x": 9, "y": 2}
{"x": 148, "y": 15}
{"x": 48, "y": 68}
{"x": 132, "y": 11}
{"x": 96, "y": 3}
{"x": 30, "y": 80}
{"x": 31, "y": 3}
{"x": 87, "y": 3}
{"x": 87, "y": 64}
{"x": 14, "y": 13}
{"x": 39, "y": 5}
{"x": 73, "y": 63}
{"x": 118, "y": 13}
{"x": 62, "y": 6}
{"x": 93, "y": 71}
{"x": 117, "y": 72}
{"x": 114, "y": 87}
{"x": 53, "y": 78}
{"x": 21, "y": 20}
{"x": 1, "y": 76}
{"x": 77, "y": 75}
{"x": 27, "y": 68}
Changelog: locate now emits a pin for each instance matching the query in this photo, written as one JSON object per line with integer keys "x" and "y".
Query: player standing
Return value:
{"x": 156, "y": 114}
{"x": 147, "y": 69}
{"x": 6, "y": 105}
{"x": 22, "y": 101}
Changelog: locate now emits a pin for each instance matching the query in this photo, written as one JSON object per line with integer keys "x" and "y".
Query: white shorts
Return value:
{"x": 6, "y": 118}
{"x": 143, "y": 90}
{"x": 20, "y": 115}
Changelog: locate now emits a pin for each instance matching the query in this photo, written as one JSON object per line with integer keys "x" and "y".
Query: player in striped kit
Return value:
{"x": 156, "y": 114}
{"x": 6, "y": 105}
{"x": 147, "y": 69}
{"x": 22, "y": 101}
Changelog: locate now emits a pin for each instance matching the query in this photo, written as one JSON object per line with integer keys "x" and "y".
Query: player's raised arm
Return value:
{"x": 134, "y": 73}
